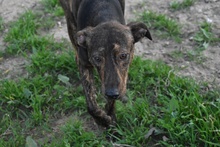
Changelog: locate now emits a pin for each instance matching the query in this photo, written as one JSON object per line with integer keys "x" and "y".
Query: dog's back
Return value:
{"x": 94, "y": 12}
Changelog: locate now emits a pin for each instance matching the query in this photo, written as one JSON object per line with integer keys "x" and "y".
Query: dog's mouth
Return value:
{"x": 123, "y": 99}
{"x": 112, "y": 93}
{"x": 115, "y": 97}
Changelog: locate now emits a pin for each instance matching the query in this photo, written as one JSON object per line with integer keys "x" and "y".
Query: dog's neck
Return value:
{"x": 95, "y": 12}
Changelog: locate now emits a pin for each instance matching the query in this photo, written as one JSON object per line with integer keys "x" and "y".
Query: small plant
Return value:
{"x": 1, "y": 30}
{"x": 1, "y": 24}
{"x": 177, "y": 54}
{"x": 162, "y": 23}
{"x": 23, "y": 35}
{"x": 75, "y": 135}
{"x": 205, "y": 36}
{"x": 176, "y": 5}
{"x": 53, "y": 6}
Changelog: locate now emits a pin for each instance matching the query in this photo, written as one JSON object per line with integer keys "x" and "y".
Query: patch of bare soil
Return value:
{"x": 12, "y": 67}
{"x": 10, "y": 10}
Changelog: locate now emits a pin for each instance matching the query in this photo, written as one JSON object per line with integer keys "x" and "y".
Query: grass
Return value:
{"x": 1, "y": 30}
{"x": 204, "y": 38}
{"x": 53, "y": 6}
{"x": 165, "y": 26}
{"x": 180, "y": 111}
{"x": 1, "y": 24}
{"x": 177, "y": 107}
{"x": 23, "y": 35}
{"x": 177, "y": 5}
{"x": 177, "y": 54}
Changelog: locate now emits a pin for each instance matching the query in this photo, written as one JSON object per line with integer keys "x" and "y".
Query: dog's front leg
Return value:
{"x": 98, "y": 114}
{"x": 110, "y": 110}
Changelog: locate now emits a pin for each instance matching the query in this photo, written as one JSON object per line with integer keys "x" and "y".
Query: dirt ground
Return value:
{"x": 158, "y": 49}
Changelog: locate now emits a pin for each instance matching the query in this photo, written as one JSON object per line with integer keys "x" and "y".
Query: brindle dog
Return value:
{"x": 102, "y": 41}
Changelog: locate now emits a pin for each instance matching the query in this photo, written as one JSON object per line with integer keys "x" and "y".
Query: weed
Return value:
{"x": 12, "y": 136}
{"x": 75, "y": 135}
{"x": 1, "y": 24}
{"x": 203, "y": 39}
{"x": 176, "y": 5}
{"x": 22, "y": 34}
{"x": 53, "y": 6}
{"x": 53, "y": 61}
{"x": 177, "y": 54}
{"x": 1, "y": 45}
{"x": 205, "y": 36}
{"x": 46, "y": 21}
{"x": 163, "y": 24}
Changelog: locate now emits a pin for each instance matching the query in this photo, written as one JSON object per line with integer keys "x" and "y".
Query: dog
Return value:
{"x": 104, "y": 42}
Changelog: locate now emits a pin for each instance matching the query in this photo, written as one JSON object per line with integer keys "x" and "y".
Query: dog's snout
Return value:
{"x": 112, "y": 93}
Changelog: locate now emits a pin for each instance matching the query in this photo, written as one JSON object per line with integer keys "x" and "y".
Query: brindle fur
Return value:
{"x": 102, "y": 41}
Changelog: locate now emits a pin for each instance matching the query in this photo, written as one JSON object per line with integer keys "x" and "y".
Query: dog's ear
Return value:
{"x": 139, "y": 30}
{"x": 82, "y": 37}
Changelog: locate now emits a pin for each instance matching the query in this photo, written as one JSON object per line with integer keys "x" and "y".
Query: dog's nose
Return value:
{"x": 112, "y": 93}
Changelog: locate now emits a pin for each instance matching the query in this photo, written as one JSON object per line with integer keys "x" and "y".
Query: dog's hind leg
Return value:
{"x": 122, "y": 2}
{"x": 71, "y": 23}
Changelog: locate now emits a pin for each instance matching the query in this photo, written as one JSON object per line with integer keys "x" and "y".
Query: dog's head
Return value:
{"x": 109, "y": 47}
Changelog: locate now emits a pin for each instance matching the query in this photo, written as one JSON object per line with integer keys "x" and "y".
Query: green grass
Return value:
{"x": 165, "y": 26}
{"x": 205, "y": 36}
{"x": 75, "y": 135}
{"x": 1, "y": 24}
{"x": 53, "y": 6}
{"x": 23, "y": 35}
{"x": 176, "y": 5}
{"x": 1, "y": 30}
{"x": 177, "y": 54}
{"x": 176, "y": 108}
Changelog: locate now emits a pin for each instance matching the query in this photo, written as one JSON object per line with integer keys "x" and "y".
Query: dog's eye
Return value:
{"x": 123, "y": 56}
{"x": 97, "y": 59}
